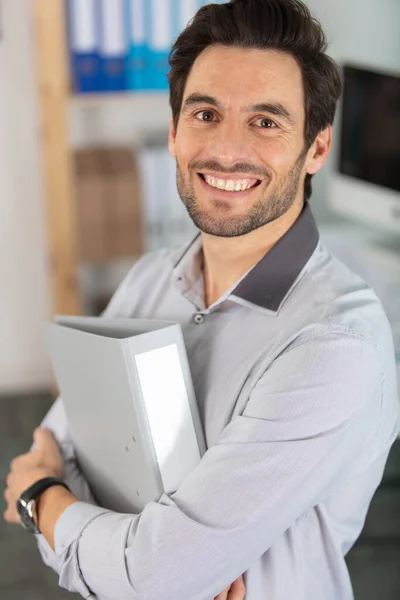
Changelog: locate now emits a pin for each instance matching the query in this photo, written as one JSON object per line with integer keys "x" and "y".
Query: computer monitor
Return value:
{"x": 366, "y": 185}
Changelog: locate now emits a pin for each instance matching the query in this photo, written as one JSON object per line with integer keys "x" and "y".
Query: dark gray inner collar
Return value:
{"x": 270, "y": 280}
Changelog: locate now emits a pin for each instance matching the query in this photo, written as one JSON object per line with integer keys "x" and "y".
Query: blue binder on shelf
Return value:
{"x": 160, "y": 30}
{"x": 113, "y": 45}
{"x": 138, "y": 55}
{"x": 84, "y": 51}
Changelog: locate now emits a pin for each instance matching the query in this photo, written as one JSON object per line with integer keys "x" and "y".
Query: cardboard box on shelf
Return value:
{"x": 89, "y": 206}
{"x": 108, "y": 204}
{"x": 125, "y": 218}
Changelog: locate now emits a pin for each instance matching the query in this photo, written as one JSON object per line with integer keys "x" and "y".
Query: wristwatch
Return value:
{"x": 26, "y": 503}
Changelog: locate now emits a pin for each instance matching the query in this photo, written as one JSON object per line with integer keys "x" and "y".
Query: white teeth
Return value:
{"x": 230, "y": 185}
{"x": 221, "y": 185}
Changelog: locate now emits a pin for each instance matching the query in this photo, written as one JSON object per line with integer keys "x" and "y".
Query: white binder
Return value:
{"x": 130, "y": 405}
{"x": 113, "y": 41}
{"x": 188, "y": 9}
{"x": 161, "y": 26}
{"x": 83, "y": 25}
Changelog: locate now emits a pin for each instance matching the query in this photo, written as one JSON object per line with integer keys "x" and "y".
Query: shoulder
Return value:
{"x": 341, "y": 340}
{"x": 331, "y": 297}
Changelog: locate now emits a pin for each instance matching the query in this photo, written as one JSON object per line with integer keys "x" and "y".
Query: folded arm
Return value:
{"x": 310, "y": 425}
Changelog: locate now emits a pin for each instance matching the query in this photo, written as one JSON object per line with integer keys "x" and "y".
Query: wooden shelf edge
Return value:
{"x": 109, "y": 98}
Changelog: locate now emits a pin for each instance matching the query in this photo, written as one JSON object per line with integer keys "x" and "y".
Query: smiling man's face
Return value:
{"x": 239, "y": 144}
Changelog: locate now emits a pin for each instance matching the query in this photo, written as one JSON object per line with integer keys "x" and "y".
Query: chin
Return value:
{"x": 227, "y": 227}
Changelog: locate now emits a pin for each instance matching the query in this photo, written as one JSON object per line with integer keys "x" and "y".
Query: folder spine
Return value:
{"x": 160, "y": 43}
{"x": 145, "y": 433}
{"x": 113, "y": 45}
{"x": 138, "y": 53}
{"x": 167, "y": 409}
{"x": 83, "y": 46}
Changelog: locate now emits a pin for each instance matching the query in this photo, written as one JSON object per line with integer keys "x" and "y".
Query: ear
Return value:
{"x": 319, "y": 151}
{"x": 171, "y": 138}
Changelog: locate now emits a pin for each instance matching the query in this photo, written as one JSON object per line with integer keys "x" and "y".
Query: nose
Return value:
{"x": 229, "y": 144}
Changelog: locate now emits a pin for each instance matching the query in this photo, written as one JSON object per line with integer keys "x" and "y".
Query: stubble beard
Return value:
{"x": 265, "y": 211}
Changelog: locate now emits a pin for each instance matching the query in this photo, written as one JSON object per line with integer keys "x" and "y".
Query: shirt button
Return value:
{"x": 199, "y": 318}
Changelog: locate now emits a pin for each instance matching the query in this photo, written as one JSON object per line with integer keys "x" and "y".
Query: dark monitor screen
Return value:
{"x": 370, "y": 139}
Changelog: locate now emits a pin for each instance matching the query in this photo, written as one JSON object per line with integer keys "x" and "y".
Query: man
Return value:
{"x": 291, "y": 354}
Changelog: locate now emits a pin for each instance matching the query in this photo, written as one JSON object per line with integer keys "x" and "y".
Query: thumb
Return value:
{"x": 44, "y": 439}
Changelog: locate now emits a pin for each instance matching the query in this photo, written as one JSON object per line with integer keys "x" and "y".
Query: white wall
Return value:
{"x": 24, "y": 293}
{"x": 364, "y": 31}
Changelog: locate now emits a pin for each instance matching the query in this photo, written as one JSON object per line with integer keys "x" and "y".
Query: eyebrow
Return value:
{"x": 200, "y": 99}
{"x": 274, "y": 108}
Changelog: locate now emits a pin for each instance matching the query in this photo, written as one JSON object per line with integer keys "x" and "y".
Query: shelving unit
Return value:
{"x": 69, "y": 121}
{"x": 54, "y": 93}
{"x": 101, "y": 99}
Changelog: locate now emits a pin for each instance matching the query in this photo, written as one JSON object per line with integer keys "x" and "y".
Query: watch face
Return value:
{"x": 25, "y": 511}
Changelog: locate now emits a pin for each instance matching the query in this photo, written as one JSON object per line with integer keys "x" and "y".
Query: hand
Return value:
{"x": 236, "y": 591}
{"x": 45, "y": 461}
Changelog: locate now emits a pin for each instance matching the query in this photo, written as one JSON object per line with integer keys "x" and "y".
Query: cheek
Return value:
{"x": 193, "y": 139}
{"x": 277, "y": 154}
{"x": 188, "y": 148}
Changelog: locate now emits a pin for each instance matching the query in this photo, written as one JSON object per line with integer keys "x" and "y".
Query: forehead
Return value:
{"x": 241, "y": 77}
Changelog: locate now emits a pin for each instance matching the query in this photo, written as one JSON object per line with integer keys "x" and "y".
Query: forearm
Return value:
{"x": 51, "y": 505}
{"x": 160, "y": 554}
{"x": 56, "y": 422}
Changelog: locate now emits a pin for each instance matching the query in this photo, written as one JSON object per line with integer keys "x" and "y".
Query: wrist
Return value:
{"x": 50, "y": 506}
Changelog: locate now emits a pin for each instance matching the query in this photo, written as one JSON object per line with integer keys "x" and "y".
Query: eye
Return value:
{"x": 266, "y": 123}
{"x": 206, "y": 116}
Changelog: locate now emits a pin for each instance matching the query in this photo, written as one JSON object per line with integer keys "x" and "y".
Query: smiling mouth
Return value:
{"x": 230, "y": 185}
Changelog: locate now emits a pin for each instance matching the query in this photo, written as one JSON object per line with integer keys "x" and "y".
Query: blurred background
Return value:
{"x": 87, "y": 185}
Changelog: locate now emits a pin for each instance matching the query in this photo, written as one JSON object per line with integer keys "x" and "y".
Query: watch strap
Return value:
{"x": 40, "y": 486}
{"x": 26, "y": 503}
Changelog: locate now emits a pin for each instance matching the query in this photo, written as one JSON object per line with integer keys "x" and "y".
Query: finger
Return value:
{"x": 14, "y": 464}
{"x": 10, "y": 499}
{"x": 11, "y": 516}
{"x": 6, "y": 516}
{"x": 41, "y": 436}
{"x": 223, "y": 595}
{"x": 24, "y": 460}
{"x": 45, "y": 441}
{"x": 238, "y": 590}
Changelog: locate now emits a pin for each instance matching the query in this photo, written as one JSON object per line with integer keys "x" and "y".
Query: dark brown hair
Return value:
{"x": 285, "y": 25}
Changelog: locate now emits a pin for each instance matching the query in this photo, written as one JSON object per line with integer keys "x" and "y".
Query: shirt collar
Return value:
{"x": 269, "y": 281}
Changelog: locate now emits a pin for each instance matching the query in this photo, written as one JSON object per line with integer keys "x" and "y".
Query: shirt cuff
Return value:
{"x": 72, "y": 522}
{"x": 67, "y": 534}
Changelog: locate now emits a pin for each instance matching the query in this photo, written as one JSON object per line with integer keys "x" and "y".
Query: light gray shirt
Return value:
{"x": 295, "y": 379}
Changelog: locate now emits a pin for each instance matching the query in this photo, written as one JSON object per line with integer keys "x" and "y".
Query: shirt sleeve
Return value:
{"x": 310, "y": 426}
{"x": 56, "y": 421}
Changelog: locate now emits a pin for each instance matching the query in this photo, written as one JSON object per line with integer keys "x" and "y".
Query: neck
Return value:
{"x": 226, "y": 260}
